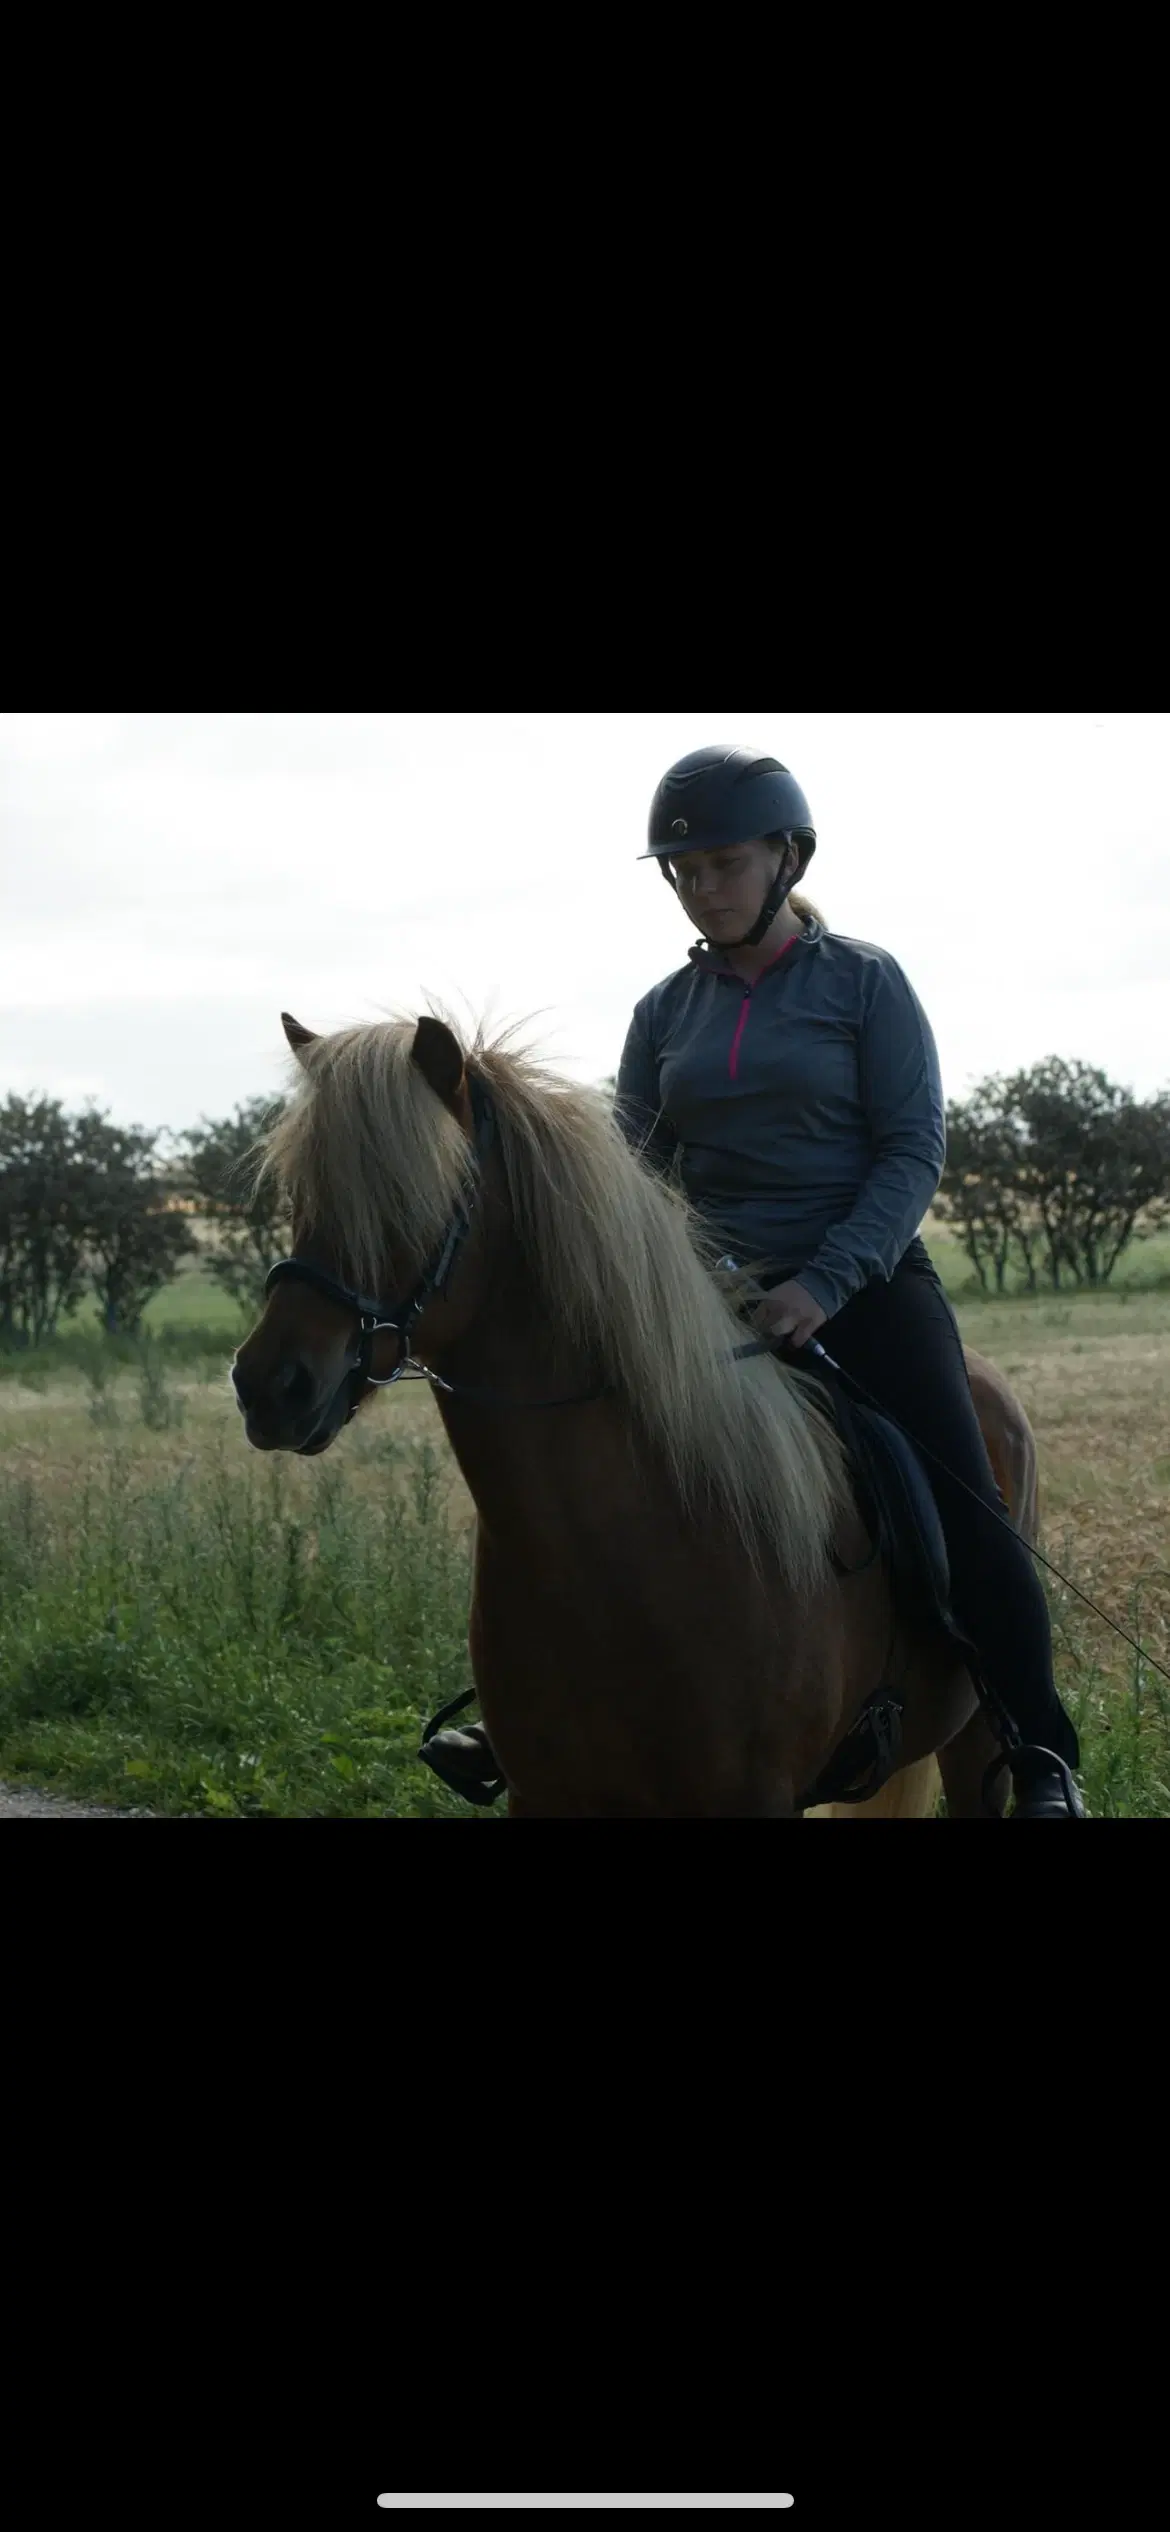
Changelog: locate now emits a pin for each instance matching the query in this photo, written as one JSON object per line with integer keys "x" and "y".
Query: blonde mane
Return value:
{"x": 367, "y": 1149}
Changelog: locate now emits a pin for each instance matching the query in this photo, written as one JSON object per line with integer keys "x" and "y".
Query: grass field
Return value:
{"x": 192, "y": 1628}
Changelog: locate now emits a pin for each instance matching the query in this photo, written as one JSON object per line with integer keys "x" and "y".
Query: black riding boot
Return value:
{"x": 466, "y": 1762}
{"x": 1043, "y": 1783}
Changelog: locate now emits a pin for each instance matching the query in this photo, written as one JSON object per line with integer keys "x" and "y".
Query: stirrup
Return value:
{"x": 470, "y": 1785}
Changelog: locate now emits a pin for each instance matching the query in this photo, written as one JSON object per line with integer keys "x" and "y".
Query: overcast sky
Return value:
{"x": 169, "y": 882}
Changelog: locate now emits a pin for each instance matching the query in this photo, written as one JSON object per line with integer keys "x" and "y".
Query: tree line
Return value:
{"x": 1049, "y": 1175}
{"x": 1054, "y": 1172}
{"x": 89, "y": 1209}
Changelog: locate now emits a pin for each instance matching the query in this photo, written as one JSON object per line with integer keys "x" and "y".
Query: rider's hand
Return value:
{"x": 789, "y": 1311}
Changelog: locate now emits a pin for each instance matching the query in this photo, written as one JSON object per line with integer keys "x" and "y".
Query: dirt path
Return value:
{"x": 32, "y": 1804}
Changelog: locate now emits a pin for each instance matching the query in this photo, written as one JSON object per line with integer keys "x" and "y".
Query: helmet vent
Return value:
{"x": 762, "y": 765}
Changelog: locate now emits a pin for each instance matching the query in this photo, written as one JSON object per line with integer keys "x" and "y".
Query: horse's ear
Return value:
{"x": 439, "y": 1056}
{"x": 298, "y": 1037}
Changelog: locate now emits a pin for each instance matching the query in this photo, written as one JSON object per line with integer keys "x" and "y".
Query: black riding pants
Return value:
{"x": 901, "y": 1339}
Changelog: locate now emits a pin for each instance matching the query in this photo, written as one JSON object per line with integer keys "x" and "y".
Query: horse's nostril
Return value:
{"x": 298, "y": 1384}
{"x": 291, "y": 1387}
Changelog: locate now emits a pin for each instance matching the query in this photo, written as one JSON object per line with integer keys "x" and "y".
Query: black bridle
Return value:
{"x": 399, "y": 1318}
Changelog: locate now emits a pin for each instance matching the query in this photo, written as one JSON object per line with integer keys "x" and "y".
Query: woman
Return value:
{"x": 791, "y": 1074}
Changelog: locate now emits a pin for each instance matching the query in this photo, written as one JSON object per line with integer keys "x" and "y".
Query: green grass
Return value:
{"x": 83, "y": 1351}
{"x": 189, "y": 1642}
{"x": 190, "y": 1322}
{"x": 194, "y": 1298}
{"x": 1144, "y": 1267}
{"x": 1119, "y": 1703}
{"x": 195, "y": 1629}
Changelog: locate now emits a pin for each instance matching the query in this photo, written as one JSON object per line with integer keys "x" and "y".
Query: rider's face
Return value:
{"x": 722, "y": 891}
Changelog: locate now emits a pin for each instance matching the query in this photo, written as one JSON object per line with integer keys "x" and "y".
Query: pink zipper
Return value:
{"x": 733, "y": 1060}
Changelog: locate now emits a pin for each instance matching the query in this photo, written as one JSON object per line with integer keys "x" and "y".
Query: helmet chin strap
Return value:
{"x": 779, "y": 890}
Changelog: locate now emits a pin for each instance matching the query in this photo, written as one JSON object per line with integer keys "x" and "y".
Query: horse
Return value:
{"x": 675, "y": 1609}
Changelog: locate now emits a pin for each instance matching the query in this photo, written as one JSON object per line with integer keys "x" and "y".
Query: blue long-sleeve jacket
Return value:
{"x": 806, "y": 1110}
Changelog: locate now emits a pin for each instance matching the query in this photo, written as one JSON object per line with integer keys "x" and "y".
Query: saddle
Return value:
{"x": 896, "y": 1501}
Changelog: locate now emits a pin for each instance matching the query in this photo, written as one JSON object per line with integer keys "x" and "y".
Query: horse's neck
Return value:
{"x": 572, "y": 1490}
{"x": 514, "y": 1353}
{"x": 512, "y": 1341}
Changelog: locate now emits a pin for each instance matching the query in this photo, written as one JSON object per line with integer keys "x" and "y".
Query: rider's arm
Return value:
{"x": 901, "y": 1093}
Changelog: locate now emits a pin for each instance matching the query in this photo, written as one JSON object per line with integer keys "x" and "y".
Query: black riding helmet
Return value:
{"x": 728, "y": 795}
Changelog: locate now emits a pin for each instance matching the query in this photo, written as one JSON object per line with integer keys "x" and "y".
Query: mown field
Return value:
{"x": 191, "y": 1628}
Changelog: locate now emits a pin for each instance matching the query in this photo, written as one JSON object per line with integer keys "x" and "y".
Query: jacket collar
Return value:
{"x": 713, "y": 962}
